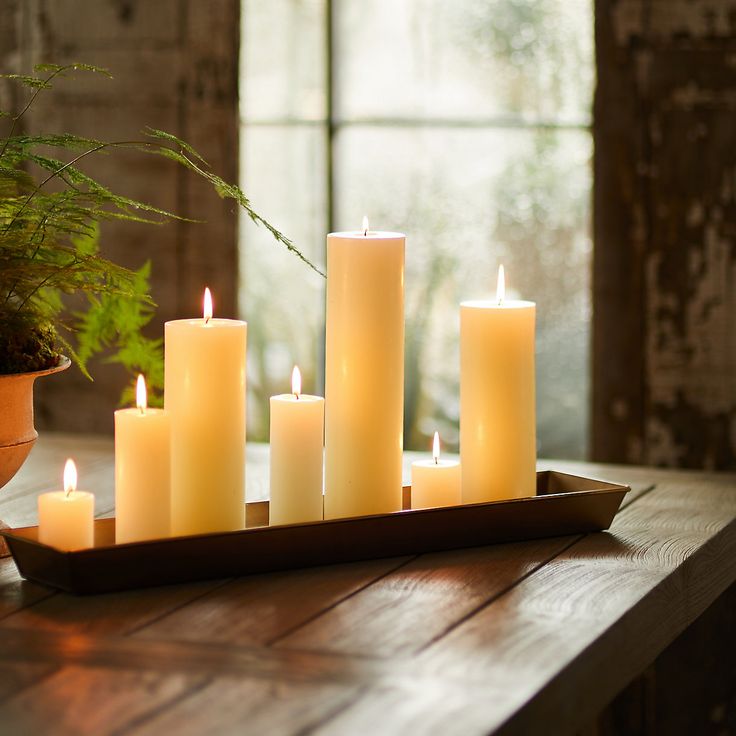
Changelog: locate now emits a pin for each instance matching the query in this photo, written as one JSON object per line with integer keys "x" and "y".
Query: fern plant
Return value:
{"x": 50, "y": 215}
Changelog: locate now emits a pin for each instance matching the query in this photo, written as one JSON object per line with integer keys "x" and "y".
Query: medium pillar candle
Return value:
{"x": 497, "y": 398}
{"x": 364, "y": 373}
{"x": 435, "y": 482}
{"x": 66, "y": 518}
{"x": 142, "y": 471}
{"x": 205, "y": 398}
{"x": 297, "y": 436}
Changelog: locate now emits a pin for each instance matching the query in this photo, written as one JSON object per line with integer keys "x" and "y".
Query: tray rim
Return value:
{"x": 612, "y": 487}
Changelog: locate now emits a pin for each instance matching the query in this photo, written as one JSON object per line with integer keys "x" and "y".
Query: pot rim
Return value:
{"x": 63, "y": 364}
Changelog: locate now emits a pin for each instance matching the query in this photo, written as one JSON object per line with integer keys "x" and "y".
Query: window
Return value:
{"x": 464, "y": 124}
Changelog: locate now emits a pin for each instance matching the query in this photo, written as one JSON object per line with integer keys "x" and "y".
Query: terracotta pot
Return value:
{"x": 17, "y": 433}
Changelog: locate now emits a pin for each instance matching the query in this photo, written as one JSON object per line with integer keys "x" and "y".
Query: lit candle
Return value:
{"x": 66, "y": 518}
{"x": 497, "y": 412}
{"x": 205, "y": 399}
{"x": 142, "y": 471}
{"x": 297, "y": 434}
{"x": 435, "y": 482}
{"x": 364, "y": 372}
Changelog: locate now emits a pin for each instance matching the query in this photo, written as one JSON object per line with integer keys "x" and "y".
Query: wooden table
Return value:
{"x": 535, "y": 637}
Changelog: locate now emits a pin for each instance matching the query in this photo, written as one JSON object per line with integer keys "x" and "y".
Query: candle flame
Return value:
{"x": 296, "y": 381}
{"x": 365, "y": 225}
{"x": 141, "y": 397}
{"x": 501, "y": 285}
{"x": 436, "y": 448}
{"x": 207, "y": 311}
{"x": 70, "y": 477}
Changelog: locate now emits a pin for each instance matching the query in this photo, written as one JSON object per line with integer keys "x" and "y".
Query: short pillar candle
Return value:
{"x": 66, "y": 518}
{"x": 142, "y": 471}
{"x": 297, "y": 438}
{"x": 435, "y": 482}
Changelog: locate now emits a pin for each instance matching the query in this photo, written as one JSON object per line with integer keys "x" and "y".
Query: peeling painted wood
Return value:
{"x": 665, "y": 262}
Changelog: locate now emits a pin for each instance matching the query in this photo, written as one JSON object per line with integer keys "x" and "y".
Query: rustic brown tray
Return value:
{"x": 565, "y": 504}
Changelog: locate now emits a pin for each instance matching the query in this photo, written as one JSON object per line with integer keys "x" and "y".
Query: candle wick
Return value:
{"x": 207, "y": 320}
{"x": 365, "y": 233}
{"x": 436, "y": 461}
{"x": 142, "y": 410}
{"x": 67, "y": 492}
{"x": 297, "y": 396}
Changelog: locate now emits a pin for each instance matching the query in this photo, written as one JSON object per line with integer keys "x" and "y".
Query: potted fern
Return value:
{"x": 50, "y": 215}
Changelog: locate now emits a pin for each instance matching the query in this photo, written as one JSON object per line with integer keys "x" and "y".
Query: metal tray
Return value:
{"x": 565, "y": 504}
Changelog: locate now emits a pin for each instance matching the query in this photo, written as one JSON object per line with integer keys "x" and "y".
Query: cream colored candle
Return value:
{"x": 205, "y": 399}
{"x": 435, "y": 482}
{"x": 297, "y": 436}
{"x": 66, "y": 518}
{"x": 364, "y": 373}
{"x": 142, "y": 471}
{"x": 497, "y": 398}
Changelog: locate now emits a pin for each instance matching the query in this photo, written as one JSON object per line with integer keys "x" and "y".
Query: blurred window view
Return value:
{"x": 464, "y": 124}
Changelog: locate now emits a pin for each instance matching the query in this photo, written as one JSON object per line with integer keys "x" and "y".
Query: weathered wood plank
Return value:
{"x": 435, "y": 708}
{"x": 52, "y": 645}
{"x": 256, "y": 610}
{"x": 104, "y": 615}
{"x": 230, "y": 705}
{"x": 77, "y": 700}
{"x": 419, "y": 602}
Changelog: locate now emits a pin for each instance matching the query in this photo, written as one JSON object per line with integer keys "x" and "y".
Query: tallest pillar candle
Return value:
{"x": 205, "y": 399}
{"x": 364, "y": 373}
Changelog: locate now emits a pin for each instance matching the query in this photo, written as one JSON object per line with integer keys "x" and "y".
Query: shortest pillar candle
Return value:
{"x": 297, "y": 438}
{"x": 435, "y": 482}
{"x": 142, "y": 471}
{"x": 66, "y": 518}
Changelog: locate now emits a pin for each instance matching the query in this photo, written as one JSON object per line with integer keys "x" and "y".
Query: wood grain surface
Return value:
{"x": 534, "y": 637}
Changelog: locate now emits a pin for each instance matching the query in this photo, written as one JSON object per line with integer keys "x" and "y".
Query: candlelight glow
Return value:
{"x": 296, "y": 381}
{"x": 436, "y": 448}
{"x": 141, "y": 398}
{"x": 207, "y": 311}
{"x": 70, "y": 477}
{"x": 501, "y": 285}
{"x": 365, "y": 225}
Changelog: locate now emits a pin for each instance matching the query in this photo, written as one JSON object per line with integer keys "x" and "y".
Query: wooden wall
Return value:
{"x": 664, "y": 367}
{"x": 175, "y": 67}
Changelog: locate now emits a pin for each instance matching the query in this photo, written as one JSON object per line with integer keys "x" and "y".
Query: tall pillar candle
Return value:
{"x": 205, "y": 398}
{"x": 142, "y": 471}
{"x": 297, "y": 438}
{"x": 497, "y": 398}
{"x": 364, "y": 373}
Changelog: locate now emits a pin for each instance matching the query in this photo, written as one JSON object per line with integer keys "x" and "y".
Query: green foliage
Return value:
{"x": 49, "y": 246}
